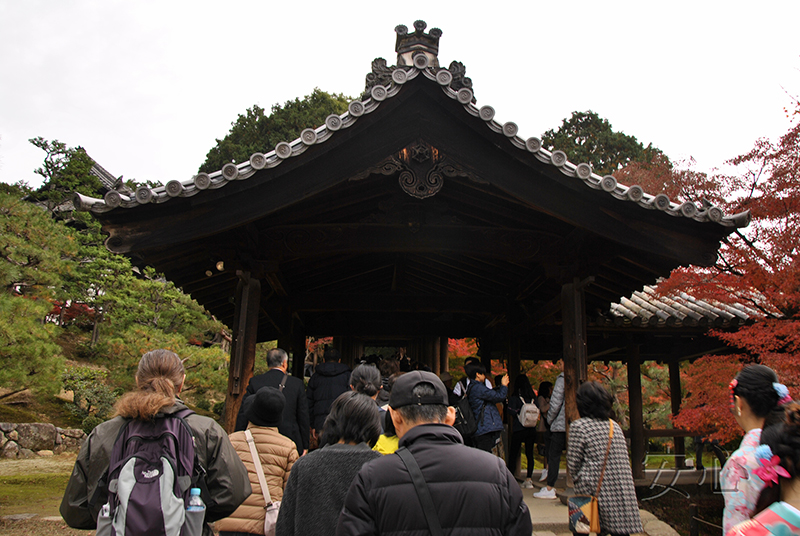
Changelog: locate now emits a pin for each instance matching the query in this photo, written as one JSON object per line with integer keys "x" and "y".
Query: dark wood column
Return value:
{"x": 573, "y": 326}
{"x": 513, "y": 367}
{"x": 675, "y": 401}
{"x": 432, "y": 358}
{"x": 298, "y": 350}
{"x": 444, "y": 352}
{"x": 243, "y": 346}
{"x": 635, "y": 404}
{"x": 485, "y": 352}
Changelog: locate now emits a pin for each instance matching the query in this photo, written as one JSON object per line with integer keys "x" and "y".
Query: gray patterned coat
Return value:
{"x": 586, "y": 448}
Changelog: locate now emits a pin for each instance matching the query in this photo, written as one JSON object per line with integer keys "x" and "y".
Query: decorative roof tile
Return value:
{"x": 647, "y": 308}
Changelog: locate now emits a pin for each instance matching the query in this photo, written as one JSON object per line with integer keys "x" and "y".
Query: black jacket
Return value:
{"x": 294, "y": 423}
{"x": 471, "y": 489}
{"x": 329, "y": 381}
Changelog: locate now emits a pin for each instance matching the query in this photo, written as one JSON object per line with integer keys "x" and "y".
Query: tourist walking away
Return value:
{"x": 470, "y": 490}
{"x": 294, "y": 422}
{"x": 778, "y": 506}
{"x": 461, "y": 385}
{"x": 755, "y": 399}
{"x": 154, "y": 416}
{"x": 330, "y": 379}
{"x": 597, "y": 450}
{"x": 556, "y": 418}
{"x": 276, "y": 455}
{"x": 521, "y": 395}
{"x": 483, "y": 402}
{"x": 366, "y": 379}
{"x": 543, "y": 429}
{"x": 319, "y": 481}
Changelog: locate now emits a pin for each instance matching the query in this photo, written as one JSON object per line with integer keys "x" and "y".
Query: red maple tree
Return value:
{"x": 758, "y": 267}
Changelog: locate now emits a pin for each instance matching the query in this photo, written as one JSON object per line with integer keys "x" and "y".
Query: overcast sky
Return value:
{"x": 147, "y": 86}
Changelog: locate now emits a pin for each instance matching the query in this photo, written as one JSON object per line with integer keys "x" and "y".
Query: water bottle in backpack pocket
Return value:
{"x": 195, "y": 514}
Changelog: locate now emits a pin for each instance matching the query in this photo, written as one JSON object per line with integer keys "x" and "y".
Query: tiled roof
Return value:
{"x": 648, "y": 308}
{"x": 379, "y": 93}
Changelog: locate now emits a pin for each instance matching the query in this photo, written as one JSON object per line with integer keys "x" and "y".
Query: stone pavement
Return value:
{"x": 549, "y": 516}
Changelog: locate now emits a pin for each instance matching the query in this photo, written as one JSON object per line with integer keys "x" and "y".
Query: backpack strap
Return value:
{"x": 283, "y": 382}
{"x": 483, "y": 408}
{"x": 423, "y": 493}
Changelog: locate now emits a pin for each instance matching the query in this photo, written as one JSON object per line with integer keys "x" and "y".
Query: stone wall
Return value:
{"x": 26, "y": 440}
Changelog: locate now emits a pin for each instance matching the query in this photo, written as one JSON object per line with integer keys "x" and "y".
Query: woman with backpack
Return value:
{"x": 154, "y": 408}
{"x": 521, "y": 395}
{"x": 483, "y": 402}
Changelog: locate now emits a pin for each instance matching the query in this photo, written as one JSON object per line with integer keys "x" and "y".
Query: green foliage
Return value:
{"x": 34, "y": 250}
{"x": 256, "y": 132}
{"x": 92, "y": 397}
{"x": 29, "y": 357}
{"x": 587, "y": 137}
{"x": 65, "y": 170}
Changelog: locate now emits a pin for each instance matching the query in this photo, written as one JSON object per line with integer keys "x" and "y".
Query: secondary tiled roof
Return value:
{"x": 379, "y": 93}
{"x": 648, "y": 308}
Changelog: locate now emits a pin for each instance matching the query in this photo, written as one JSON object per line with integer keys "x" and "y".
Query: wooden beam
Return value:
{"x": 574, "y": 345}
{"x": 299, "y": 241}
{"x": 635, "y": 407}
{"x": 444, "y": 349}
{"x": 675, "y": 395}
{"x": 243, "y": 347}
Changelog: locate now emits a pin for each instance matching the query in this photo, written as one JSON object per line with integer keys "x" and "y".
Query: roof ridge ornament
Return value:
{"x": 409, "y": 45}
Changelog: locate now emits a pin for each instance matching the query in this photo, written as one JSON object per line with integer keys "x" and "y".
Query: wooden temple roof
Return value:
{"x": 413, "y": 213}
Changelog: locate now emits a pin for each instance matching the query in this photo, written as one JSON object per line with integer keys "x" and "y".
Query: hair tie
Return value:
{"x": 731, "y": 387}
{"x": 783, "y": 393}
{"x": 770, "y": 468}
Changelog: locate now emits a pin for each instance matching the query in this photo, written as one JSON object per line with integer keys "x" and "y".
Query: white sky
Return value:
{"x": 146, "y": 86}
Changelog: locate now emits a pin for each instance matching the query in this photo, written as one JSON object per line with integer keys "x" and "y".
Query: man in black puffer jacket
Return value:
{"x": 330, "y": 379}
{"x": 470, "y": 489}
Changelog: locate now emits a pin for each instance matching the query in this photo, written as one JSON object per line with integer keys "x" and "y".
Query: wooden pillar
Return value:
{"x": 573, "y": 327}
{"x": 675, "y": 401}
{"x": 513, "y": 371}
{"x": 432, "y": 358}
{"x": 486, "y": 353}
{"x": 298, "y": 350}
{"x": 444, "y": 352}
{"x": 635, "y": 404}
{"x": 243, "y": 346}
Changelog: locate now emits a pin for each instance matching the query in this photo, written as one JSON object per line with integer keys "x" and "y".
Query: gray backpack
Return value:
{"x": 153, "y": 466}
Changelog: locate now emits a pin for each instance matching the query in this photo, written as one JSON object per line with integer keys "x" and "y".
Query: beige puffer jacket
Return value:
{"x": 278, "y": 453}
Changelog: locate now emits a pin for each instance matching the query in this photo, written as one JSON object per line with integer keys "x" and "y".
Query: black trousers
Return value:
{"x": 558, "y": 442}
{"x": 527, "y": 436}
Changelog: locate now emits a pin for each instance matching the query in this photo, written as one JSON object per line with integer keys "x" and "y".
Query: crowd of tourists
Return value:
{"x": 377, "y": 450}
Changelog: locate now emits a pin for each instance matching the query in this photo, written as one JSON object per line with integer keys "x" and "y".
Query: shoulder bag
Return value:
{"x": 423, "y": 493}
{"x": 271, "y": 507}
{"x": 584, "y": 514}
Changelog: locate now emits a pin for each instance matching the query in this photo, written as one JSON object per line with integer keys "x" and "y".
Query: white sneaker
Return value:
{"x": 545, "y": 493}
{"x": 527, "y": 484}
{"x": 544, "y": 475}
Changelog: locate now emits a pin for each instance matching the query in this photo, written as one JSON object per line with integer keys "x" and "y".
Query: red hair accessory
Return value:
{"x": 732, "y": 386}
{"x": 770, "y": 468}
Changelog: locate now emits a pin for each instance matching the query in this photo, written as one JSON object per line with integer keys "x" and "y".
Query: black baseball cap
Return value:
{"x": 401, "y": 390}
